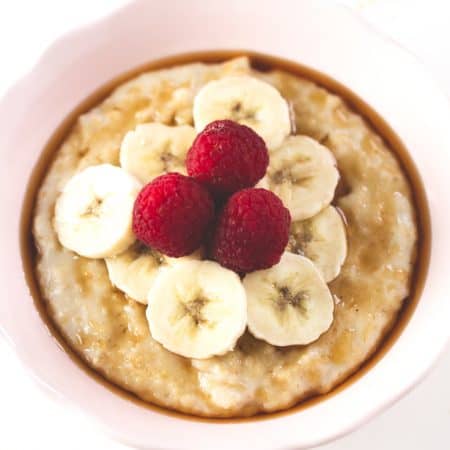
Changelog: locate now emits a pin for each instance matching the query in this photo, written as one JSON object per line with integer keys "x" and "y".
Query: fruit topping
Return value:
{"x": 172, "y": 214}
{"x": 227, "y": 157}
{"x": 252, "y": 231}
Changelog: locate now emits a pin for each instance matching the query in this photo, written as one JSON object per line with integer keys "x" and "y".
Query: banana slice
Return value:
{"x": 288, "y": 304}
{"x": 197, "y": 309}
{"x": 135, "y": 270}
{"x": 93, "y": 214}
{"x": 246, "y": 100}
{"x": 303, "y": 174}
{"x": 322, "y": 239}
{"x": 153, "y": 149}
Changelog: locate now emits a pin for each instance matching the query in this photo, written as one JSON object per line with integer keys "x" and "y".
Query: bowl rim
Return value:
{"x": 29, "y": 85}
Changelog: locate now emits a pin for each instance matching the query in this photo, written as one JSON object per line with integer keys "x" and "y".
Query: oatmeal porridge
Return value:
{"x": 368, "y": 279}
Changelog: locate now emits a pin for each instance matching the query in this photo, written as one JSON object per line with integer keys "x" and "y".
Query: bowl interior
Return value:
{"x": 261, "y": 62}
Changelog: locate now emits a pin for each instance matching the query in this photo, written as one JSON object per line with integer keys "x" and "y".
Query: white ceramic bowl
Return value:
{"x": 327, "y": 38}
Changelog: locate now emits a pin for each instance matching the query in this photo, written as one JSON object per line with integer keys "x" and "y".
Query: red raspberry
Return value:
{"x": 252, "y": 231}
{"x": 227, "y": 157}
{"x": 172, "y": 214}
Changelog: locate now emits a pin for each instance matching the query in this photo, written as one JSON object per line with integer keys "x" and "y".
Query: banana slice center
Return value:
{"x": 239, "y": 113}
{"x": 301, "y": 238}
{"x": 296, "y": 172}
{"x": 288, "y": 298}
{"x": 168, "y": 157}
{"x": 286, "y": 175}
{"x": 94, "y": 209}
{"x": 194, "y": 309}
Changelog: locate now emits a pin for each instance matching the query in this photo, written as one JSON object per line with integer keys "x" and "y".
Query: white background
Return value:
{"x": 31, "y": 421}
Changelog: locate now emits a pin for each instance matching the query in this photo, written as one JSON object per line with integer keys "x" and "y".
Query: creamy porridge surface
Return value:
{"x": 110, "y": 332}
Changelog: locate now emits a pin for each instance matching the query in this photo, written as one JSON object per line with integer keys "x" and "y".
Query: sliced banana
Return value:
{"x": 197, "y": 309}
{"x": 246, "y": 100}
{"x": 322, "y": 239}
{"x": 303, "y": 174}
{"x": 135, "y": 270}
{"x": 93, "y": 214}
{"x": 288, "y": 304}
{"x": 153, "y": 149}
